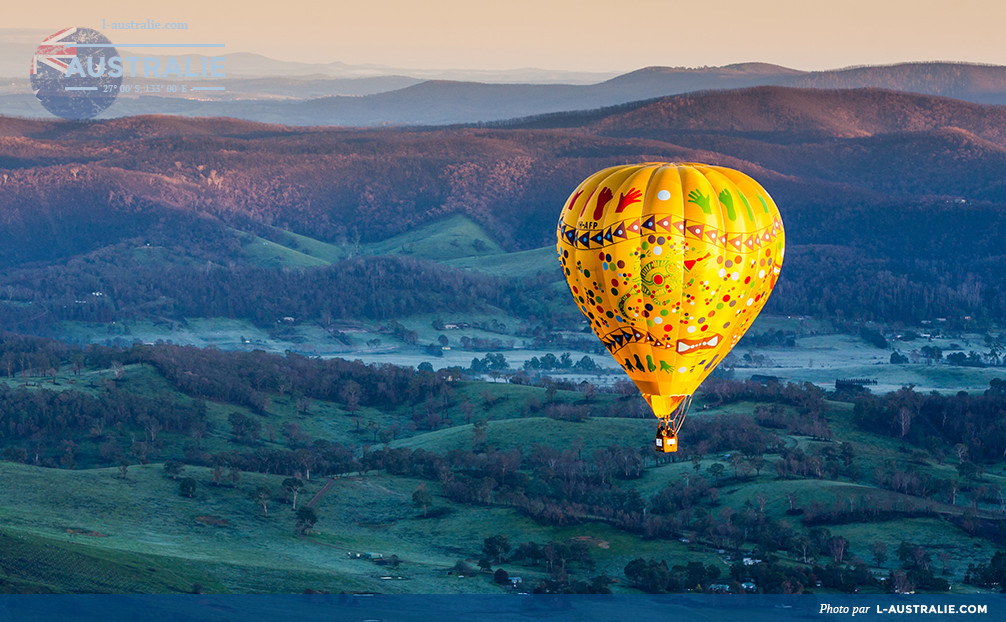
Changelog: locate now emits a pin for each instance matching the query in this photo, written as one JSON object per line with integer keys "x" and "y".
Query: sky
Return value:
{"x": 588, "y": 35}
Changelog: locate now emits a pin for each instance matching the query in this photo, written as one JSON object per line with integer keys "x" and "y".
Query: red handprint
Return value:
{"x": 602, "y": 200}
{"x": 575, "y": 197}
{"x": 634, "y": 196}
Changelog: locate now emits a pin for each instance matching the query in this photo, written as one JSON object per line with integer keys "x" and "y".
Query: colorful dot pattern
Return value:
{"x": 670, "y": 263}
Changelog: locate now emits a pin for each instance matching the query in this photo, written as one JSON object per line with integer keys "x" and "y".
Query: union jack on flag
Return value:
{"x": 55, "y": 51}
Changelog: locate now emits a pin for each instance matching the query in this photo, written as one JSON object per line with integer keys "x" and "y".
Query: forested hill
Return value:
{"x": 869, "y": 182}
{"x": 330, "y": 183}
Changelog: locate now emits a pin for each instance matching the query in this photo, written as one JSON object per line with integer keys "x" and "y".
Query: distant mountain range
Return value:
{"x": 18, "y": 44}
{"x": 301, "y": 98}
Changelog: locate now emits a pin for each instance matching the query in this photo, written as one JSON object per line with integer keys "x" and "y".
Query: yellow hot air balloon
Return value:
{"x": 670, "y": 263}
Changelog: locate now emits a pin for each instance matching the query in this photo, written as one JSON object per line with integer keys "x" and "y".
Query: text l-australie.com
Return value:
{"x": 149, "y": 24}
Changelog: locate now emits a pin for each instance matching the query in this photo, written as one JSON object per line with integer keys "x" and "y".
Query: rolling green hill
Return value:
{"x": 456, "y": 241}
{"x": 515, "y": 264}
{"x": 453, "y": 238}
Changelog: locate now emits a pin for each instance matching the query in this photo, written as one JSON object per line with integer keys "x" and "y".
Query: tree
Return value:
{"x": 803, "y": 545}
{"x": 350, "y": 395}
{"x": 462, "y": 569}
{"x": 292, "y": 486}
{"x": 263, "y": 495}
{"x": 244, "y": 428}
{"x": 187, "y": 487}
{"x": 306, "y": 518}
{"x": 931, "y": 353}
{"x": 479, "y": 433}
{"x": 422, "y": 498}
{"x": 467, "y": 409}
{"x": 550, "y": 391}
{"x": 649, "y": 576}
{"x": 173, "y": 468}
{"x": 879, "y": 550}
{"x": 501, "y": 577}
{"x": 716, "y": 470}
{"x": 837, "y": 546}
{"x": 218, "y": 473}
{"x": 496, "y": 547}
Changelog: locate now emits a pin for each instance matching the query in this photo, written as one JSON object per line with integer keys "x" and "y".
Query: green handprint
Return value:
{"x": 649, "y": 363}
{"x": 744, "y": 199}
{"x": 701, "y": 200}
{"x": 728, "y": 200}
{"x": 665, "y": 367}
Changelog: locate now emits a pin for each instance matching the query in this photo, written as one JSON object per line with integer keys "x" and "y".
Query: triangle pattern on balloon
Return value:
{"x": 742, "y": 242}
{"x": 665, "y": 224}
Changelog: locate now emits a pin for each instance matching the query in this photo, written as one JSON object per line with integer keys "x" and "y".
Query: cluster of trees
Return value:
{"x": 248, "y": 378}
{"x": 873, "y": 337}
{"x": 828, "y": 563}
{"x": 550, "y": 362}
{"x": 972, "y": 358}
{"x": 46, "y": 427}
{"x": 941, "y": 423}
{"x": 656, "y": 577}
{"x": 825, "y": 461}
{"x": 561, "y": 560}
{"x": 491, "y": 362}
{"x": 116, "y": 289}
{"x": 988, "y": 574}
{"x": 543, "y": 339}
{"x": 562, "y": 487}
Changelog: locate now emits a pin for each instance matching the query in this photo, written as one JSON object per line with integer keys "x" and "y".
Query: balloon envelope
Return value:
{"x": 670, "y": 263}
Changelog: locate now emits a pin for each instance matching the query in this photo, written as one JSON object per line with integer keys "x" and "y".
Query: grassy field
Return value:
{"x": 823, "y": 358}
{"x": 91, "y": 530}
{"x": 454, "y": 239}
{"x": 521, "y": 263}
{"x": 592, "y": 434}
{"x": 273, "y": 255}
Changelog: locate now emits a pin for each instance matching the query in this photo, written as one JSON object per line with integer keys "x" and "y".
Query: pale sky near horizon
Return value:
{"x": 588, "y": 35}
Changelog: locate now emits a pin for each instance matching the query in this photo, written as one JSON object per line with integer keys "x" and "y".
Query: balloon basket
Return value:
{"x": 665, "y": 443}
